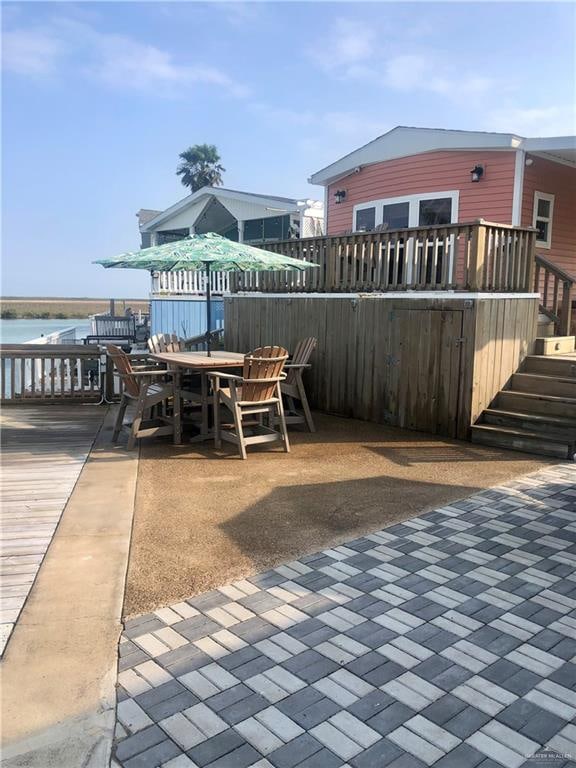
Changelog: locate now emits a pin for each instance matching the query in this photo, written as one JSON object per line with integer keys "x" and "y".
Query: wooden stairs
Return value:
{"x": 536, "y": 412}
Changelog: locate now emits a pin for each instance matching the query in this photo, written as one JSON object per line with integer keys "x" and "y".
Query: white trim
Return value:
{"x": 550, "y": 198}
{"x": 519, "y": 165}
{"x": 413, "y": 210}
{"x": 412, "y": 295}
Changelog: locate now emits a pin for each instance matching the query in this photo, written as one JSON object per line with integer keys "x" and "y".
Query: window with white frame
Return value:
{"x": 424, "y": 209}
{"x": 542, "y": 218}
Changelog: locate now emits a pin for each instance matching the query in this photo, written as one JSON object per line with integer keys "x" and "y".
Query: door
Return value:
{"x": 425, "y": 354}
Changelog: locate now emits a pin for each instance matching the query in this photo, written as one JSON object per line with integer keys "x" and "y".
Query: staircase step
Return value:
{"x": 554, "y": 345}
{"x": 543, "y": 385}
{"x": 520, "y": 440}
{"x": 529, "y": 402}
{"x": 555, "y": 427}
{"x": 548, "y": 365}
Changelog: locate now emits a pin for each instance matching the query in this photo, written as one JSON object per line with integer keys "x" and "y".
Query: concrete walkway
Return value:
{"x": 59, "y": 669}
{"x": 445, "y": 640}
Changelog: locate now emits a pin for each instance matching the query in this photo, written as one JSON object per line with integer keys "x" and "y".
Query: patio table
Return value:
{"x": 203, "y": 364}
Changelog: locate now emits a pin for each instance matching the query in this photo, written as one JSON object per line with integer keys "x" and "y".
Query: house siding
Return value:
{"x": 558, "y": 180}
{"x": 489, "y": 199}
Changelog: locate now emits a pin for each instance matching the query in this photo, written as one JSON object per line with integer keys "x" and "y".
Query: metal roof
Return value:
{"x": 404, "y": 141}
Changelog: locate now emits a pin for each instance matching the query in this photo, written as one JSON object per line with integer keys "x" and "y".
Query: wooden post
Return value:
{"x": 566, "y": 310}
{"x": 531, "y": 271}
{"x": 477, "y": 256}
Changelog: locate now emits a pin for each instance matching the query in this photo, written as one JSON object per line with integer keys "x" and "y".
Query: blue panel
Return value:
{"x": 184, "y": 317}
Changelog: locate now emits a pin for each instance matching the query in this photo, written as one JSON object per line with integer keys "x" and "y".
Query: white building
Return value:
{"x": 242, "y": 216}
{"x": 176, "y": 301}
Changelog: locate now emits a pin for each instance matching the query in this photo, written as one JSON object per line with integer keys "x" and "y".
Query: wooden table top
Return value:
{"x": 218, "y": 359}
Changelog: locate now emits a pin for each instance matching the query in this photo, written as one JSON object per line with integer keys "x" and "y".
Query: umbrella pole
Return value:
{"x": 208, "y": 309}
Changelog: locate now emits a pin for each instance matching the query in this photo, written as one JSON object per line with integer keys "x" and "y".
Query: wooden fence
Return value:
{"x": 479, "y": 256}
{"x": 35, "y": 373}
{"x": 431, "y": 363}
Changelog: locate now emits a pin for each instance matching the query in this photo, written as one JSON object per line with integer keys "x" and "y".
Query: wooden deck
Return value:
{"x": 43, "y": 451}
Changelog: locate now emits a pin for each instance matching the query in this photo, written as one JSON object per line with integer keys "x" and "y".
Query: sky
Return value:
{"x": 100, "y": 98}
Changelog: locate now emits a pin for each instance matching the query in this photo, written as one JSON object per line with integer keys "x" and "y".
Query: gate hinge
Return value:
{"x": 461, "y": 340}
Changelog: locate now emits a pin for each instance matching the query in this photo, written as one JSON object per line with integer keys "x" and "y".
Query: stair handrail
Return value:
{"x": 556, "y": 299}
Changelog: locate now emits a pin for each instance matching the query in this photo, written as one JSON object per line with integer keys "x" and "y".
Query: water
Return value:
{"x": 16, "y": 331}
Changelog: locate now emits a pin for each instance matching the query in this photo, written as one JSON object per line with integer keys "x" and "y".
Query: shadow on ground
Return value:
{"x": 203, "y": 519}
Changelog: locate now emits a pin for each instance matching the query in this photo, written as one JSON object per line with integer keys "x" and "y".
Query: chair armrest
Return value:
{"x": 149, "y": 373}
{"x": 264, "y": 381}
{"x": 297, "y": 365}
{"x": 223, "y": 375}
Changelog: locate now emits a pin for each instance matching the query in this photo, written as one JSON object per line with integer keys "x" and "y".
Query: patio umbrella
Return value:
{"x": 209, "y": 252}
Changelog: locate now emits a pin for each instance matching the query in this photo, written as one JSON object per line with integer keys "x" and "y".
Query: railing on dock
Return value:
{"x": 556, "y": 293}
{"x": 32, "y": 373}
{"x": 478, "y": 256}
{"x": 189, "y": 283}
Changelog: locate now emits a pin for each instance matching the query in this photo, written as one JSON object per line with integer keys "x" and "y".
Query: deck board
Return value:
{"x": 43, "y": 451}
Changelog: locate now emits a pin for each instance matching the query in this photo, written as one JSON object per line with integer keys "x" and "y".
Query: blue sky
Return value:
{"x": 99, "y": 99}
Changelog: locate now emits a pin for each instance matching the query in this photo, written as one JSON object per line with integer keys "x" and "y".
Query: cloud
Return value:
{"x": 353, "y": 50}
{"x": 348, "y": 44}
{"x": 555, "y": 120}
{"x": 31, "y": 52}
{"x": 116, "y": 60}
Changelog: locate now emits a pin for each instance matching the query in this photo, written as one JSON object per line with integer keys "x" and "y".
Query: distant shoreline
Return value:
{"x": 48, "y": 308}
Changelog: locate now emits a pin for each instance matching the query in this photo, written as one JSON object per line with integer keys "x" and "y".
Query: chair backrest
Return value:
{"x": 302, "y": 354}
{"x": 164, "y": 342}
{"x": 260, "y": 366}
{"x": 124, "y": 368}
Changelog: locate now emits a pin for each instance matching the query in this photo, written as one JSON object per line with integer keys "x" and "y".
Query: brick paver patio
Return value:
{"x": 448, "y": 640}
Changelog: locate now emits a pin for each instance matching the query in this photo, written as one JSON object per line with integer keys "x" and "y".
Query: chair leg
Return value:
{"x": 217, "y": 419}
{"x": 282, "y": 423}
{"x": 305, "y": 407}
{"x": 119, "y": 418}
{"x": 140, "y": 409}
{"x": 239, "y": 431}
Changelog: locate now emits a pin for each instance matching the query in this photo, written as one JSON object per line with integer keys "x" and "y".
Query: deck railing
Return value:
{"x": 478, "y": 256}
{"x": 189, "y": 283}
{"x": 556, "y": 289}
{"x": 32, "y": 373}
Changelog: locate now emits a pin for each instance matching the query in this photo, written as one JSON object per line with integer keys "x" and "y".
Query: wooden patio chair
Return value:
{"x": 293, "y": 386}
{"x": 250, "y": 398}
{"x": 164, "y": 342}
{"x": 191, "y": 384}
{"x": 147, "y": 389}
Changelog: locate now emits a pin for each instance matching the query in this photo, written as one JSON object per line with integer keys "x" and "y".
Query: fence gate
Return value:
{"x": 425, "y": 353}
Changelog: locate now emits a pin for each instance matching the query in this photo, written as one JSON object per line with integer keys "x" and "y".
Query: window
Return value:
{"x": 396, "y": 215}
{"x": 542, "y": 220}
{"x": 426, "y": 209}
{"x": 436, "y": 211}
{"x": 422, "y": 210}
{"x": 365, "y": 219}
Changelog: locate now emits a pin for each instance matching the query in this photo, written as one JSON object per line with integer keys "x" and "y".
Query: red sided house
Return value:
{"x": 413, "y": 177}
{"x": 419, "y": 177}
{"x": 441, "y": 247}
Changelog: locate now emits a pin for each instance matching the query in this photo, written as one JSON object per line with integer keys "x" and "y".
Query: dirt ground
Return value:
{"x": 204, "y": 518}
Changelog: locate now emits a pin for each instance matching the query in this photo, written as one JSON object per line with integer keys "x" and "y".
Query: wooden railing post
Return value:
{"x": 531, "y": 271}
{"x": 477, "y": 257}
{"x": 565, "y": 310}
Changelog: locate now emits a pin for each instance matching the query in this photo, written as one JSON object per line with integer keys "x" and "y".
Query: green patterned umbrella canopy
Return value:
{"x": 210, "y": 253}
{"x": 204, "y": 251}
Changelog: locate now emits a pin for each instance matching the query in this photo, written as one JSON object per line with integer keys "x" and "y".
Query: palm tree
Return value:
{"x": 200, "y": 167}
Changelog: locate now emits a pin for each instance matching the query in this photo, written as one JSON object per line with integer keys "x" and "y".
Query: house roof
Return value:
{"x": 220, "y": 193}
{"x": 403, "y": 141}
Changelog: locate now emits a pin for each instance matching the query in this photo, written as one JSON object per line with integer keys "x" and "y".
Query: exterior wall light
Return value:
{"x": 477, "y": 172}
{"x": 340, "y": 195}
